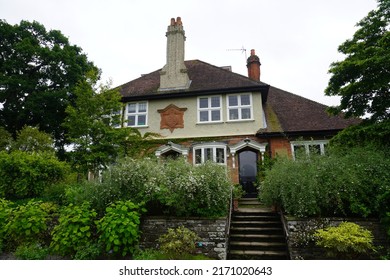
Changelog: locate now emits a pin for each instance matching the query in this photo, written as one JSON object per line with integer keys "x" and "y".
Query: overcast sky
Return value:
{"x": 296, "y": 40}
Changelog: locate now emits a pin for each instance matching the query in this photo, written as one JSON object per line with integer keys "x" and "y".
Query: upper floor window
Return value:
{"x": 210, "y": 152}
{"x": 137, "y": 114}
{"x": 239, "y": 107}
{"x": 301, "y": 149}
{"x": 209, "y": 109}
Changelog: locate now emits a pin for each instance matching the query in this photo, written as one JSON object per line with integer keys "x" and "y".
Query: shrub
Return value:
{"x": 346, "y": 241}
{"x": 25, "y": 175}
{"x": 178, "y": 243}
{"x": 74, "y": 230}
{"x": 339, "y": 184}
{"x": 180, "y": 188}
{"x": 31, "y": 251}
{"x": 28, "y": 223}
{"x": 119, "y": 228}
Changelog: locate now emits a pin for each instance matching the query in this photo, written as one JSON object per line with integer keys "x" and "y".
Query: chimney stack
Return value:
{"x": 174, "y": 73}
{"x": 253, "y": 64}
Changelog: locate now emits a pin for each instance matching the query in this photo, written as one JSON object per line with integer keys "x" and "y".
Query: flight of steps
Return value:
{"x": 256, "y": 233}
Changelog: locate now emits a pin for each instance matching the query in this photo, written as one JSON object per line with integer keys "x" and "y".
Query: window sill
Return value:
{"x": 243, "y": 120}
{"x": 201, "y": 123}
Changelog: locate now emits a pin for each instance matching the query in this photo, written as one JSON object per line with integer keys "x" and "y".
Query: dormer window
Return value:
{"x": 137, "y": 114}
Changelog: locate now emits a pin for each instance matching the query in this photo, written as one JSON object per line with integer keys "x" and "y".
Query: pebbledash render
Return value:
{"x": 242, "y": 118}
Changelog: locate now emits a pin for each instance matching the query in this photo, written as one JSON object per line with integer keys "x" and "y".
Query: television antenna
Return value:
{"x": 243, "y": 50}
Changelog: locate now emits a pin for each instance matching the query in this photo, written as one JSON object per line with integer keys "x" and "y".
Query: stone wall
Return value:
{"x": 302, "y": 246}
{"x": 212, "y": 232}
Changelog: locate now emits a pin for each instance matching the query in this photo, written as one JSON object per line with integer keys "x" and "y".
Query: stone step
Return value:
{"x": 252, "y": 223}
{"x": 249, "y": 217}
{"x": 256, "y": 230}
{"x": 257, "y": 237}
{"x": 258, "y": 254}
{"x": 254, "y": 210}
{"x": 255, "y": 245}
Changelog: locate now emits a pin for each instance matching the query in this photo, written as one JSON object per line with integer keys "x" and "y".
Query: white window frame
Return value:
{"x": 307, "y": 145}
{"x": 209, "y": 109}
{"x": 239, "y": 107}
{"x": 136, "y": 114}
{"x": 203, "y": 153}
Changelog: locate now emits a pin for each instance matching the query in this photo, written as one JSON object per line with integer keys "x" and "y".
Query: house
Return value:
{"x": 207, "y": 112}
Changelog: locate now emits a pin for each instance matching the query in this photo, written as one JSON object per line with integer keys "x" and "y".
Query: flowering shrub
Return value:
{"x": 178, "y": 187}
{"x": 178, "y": 243}
{"x": 354, "y": 183}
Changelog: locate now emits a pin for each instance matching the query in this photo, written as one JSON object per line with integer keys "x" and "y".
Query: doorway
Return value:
{"x": 248, "y": 172}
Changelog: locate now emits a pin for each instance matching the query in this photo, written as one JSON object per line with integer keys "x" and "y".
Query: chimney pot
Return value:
{"x": 178, "y": 21}
{"x": 173, "y": 22}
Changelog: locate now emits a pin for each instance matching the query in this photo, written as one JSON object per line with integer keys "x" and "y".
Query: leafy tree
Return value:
{"x": 5, "y": 139}
{"x": 92, "y": 123}
{"x": 362, "y": 79}
{"x": 38, "y": 72}
{"x": 30, "y": 139}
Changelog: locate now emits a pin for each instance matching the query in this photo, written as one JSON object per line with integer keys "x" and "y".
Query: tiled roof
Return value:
{"x": 290, "y": 113}
{"x": 204, "y": 78}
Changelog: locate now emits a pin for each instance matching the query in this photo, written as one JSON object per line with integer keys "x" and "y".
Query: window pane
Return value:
{"x": 141, "y": 120}
{"x": 220, "y": 157}
{"x": 215, "y": 115}
{"x": 246, "y": 113}
{"x": 204, "y": 116}
{"x": 142, "y": 107}
{"x": 208, "y": 154}
{"x": 198, "y": 156}
{"x": 245, "y": 100}
{"x": 215, "y": 101}
{"x": 203, "y": 102}
{"x": 131, "y": 107}
{"x": 131, "y": 121}
{"x": 233, "y": 100}
{"x": 233, "y": 114}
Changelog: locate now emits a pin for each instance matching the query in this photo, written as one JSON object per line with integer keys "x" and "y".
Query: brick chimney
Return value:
{"x": 174, "y": 73}
{"x": 253, "y": 64}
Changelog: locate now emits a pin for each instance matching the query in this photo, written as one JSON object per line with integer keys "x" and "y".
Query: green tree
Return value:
{"x": 38, "y": 72}
{"x": 362, "y": 79}
{"x": 30, "y": 139}
{"x": 93, "y": 124}
{"x": 5, "y": 139}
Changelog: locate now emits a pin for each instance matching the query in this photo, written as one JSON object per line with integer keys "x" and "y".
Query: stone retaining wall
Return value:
{"x": 301, "y": 245}
{"x": 212, "y": 232}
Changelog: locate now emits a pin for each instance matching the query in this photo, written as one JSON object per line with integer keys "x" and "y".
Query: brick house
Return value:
{"x": 207, "y": 112}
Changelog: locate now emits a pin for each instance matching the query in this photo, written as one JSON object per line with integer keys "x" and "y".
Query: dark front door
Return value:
{"x": 248, "y": 171}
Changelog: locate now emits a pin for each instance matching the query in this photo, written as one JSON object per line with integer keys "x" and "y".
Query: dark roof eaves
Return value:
{"x": 179, "y": 94}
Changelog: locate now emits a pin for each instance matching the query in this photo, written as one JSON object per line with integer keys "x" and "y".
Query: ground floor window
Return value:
{"x": 303, "y": 148}
{"x": 210, "y": 152}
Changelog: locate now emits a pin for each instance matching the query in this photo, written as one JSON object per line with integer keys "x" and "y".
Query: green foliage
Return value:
{"x": 346, "y": 241}
{"x": 119, "y": 228}
{"x": 349, "y": 183}
{"x": 5, "y": 139}
{"x": 74, "y": 230}
{"x": 91, "y": 123}
{"x": 361, "y": 79}
{"x": 238, "y": 191}
{"x": 178, "y": 243}
{"x": 31, "y": 251}
{"x": 179, "y": 187}
{"x": 364, "y": 134}
{"x": 28, "y": 223}
{"x": 30, "y": 139}
{"x": 6, "y": 208}
{"x": 25, "y": 175}
{"x": 38, "y": 72}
